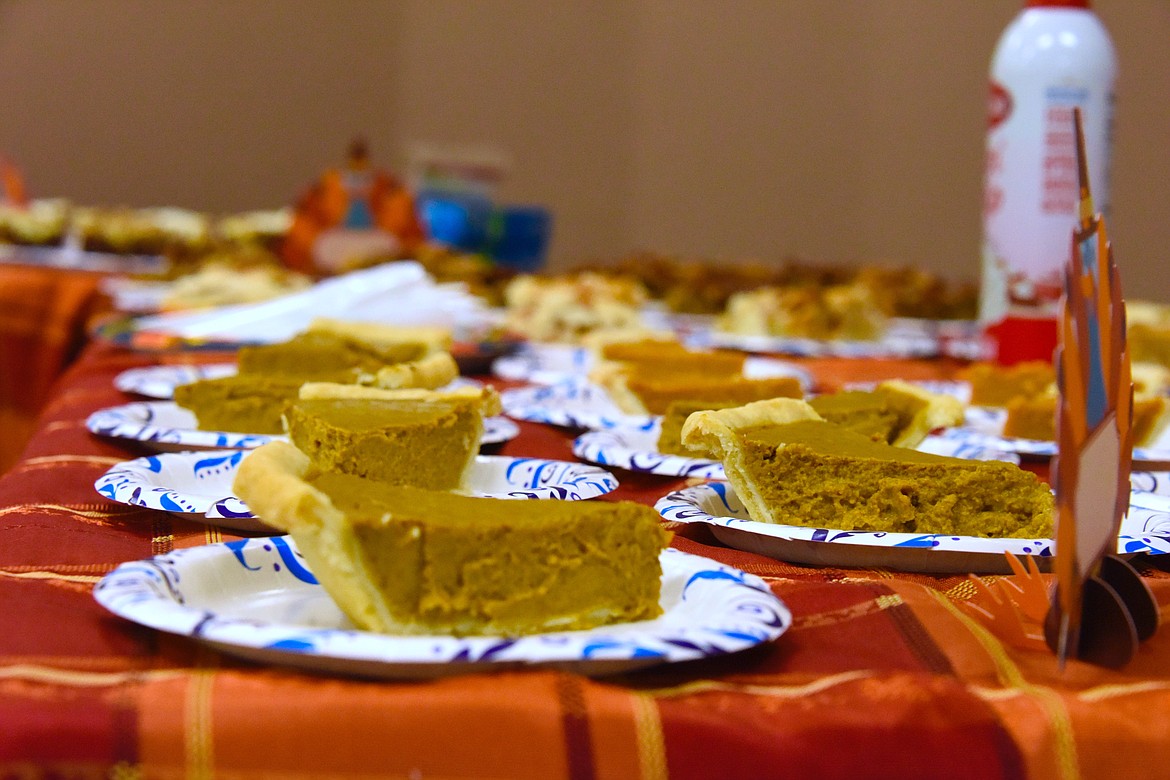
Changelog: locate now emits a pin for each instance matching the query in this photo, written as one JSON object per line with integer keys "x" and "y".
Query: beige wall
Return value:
{"x": 834, "y": 131}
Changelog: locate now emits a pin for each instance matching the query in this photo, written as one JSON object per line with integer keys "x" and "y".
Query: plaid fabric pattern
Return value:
{"x": 43, "y": 314}
{"x": 883, "y": 674}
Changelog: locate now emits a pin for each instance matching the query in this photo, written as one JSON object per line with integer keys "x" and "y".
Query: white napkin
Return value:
{"x": 400, "y": 293}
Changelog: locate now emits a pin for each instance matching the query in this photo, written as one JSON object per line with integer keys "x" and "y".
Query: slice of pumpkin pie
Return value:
{"x": 894, "y": 412}
{"x": 404, "y": 560}
{"x": 673, "y": 419}
{"x": 324, "y": 356}
{"x": 339, "y": 351}
{"x": 671, "y": 356}
{"x": 241, "y": 403}
{"x": 649, "y": 389}
{"x": 993, "y": 385}
{"x": 791, "y": 467}
{"x": 1035, "y": 417}
{"x": 407, "y": 437}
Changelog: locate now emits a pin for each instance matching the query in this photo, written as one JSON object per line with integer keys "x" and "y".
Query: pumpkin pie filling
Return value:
{"x": 243, "y": 403}
{"x": 860, "y": 411}
{"x": 428, "y": 443}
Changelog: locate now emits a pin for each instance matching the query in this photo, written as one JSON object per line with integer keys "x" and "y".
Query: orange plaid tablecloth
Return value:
{"x": 43, "y": 315}
{"x": 881, "y": 675}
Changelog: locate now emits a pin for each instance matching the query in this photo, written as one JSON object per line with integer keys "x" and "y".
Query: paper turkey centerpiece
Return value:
{"x": 1101, "y": 608}
{"x": 350, "y": 217}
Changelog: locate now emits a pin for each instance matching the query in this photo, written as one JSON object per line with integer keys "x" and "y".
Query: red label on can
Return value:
{"x": 999, "y": 105}
{"x": 1018, "y": 339}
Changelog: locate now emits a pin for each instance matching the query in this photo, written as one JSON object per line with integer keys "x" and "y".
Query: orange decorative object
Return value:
{"x": 1012, "y": 607}
{"x": 12, "y": 190}
{"x": 1095, "y": 438}
{"x": 350, "y": 216}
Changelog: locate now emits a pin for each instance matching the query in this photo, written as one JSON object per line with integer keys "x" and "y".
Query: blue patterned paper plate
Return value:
{"x": 636, "y": 449}
{"x": 1156, "y": 482}
{"x": 1146, "y": 529}
{"x": 569, "y": 404}
{"x": 544, "y": 364}
{"x": 164, "y": 426}
{"x": 256, "y": 599}
{"x": 198, "y": 485}
{"x": 161, "y": 381}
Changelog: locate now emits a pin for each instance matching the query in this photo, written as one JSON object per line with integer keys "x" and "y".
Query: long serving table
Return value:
{"x": 44, "y": 312}
{"x": 882, "y": 674}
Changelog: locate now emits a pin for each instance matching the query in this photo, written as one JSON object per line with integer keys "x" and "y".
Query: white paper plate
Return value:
{"x": 256, "y": 599}
{"x": 161, "y": 381}
{"x": 904, "y": 338}
{"x": 164, "y": 426}
{"x": 544, "y": 364}
{"x": 198, "y": 485}
{"x": 635, "y": 449}
{"x": 549, "y": 364}
{"x": 984, "y": 425}
{"x": 1146, "y": 529}
{"x": 1156, "y": 482}
{"x": 570, "y": 404}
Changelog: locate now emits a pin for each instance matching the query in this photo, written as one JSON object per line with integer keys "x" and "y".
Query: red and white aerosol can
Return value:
{"x": 1054, "y": 56}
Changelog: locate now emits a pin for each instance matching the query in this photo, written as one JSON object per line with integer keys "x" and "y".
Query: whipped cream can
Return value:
{"x": 1053, "y": 57}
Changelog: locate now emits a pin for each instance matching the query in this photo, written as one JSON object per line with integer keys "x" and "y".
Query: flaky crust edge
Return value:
{"x": 430, "y": 372}
{"x": 939, "y": 411}
{"x": 271, "y": 481}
